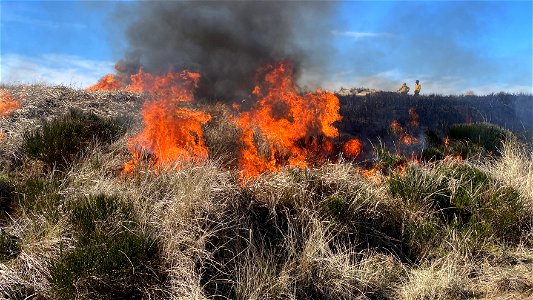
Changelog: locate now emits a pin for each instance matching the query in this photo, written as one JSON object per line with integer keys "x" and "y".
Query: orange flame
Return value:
{"x": 396, "y": 128}
{"x": 352, "y": 148}
{"x": 408, "y": 139}
{"x": 170, "y": 133}
{"x": 7, "y": 103}
{"x": 286, "y": 121}
{"x": 106, "y": 83}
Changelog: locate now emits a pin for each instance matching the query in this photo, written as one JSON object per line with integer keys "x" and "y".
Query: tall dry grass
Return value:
{"x": 320, "y": 233}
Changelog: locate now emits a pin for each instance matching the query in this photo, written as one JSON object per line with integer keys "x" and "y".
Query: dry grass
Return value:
{"x": 319, "y": 233}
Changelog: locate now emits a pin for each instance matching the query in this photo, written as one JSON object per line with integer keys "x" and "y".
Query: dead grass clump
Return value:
{"x": 222, "y": 136}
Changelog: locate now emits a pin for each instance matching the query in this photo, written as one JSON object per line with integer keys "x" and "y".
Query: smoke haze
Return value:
{"x": 225, "y": 41}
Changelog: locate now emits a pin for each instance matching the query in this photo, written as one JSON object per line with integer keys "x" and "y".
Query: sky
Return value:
{"x": 450, "y": 46}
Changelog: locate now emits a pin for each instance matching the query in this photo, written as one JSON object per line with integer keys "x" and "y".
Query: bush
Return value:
{"x": 486, "y": 135}
{"x": 112, "y": 259}
{"x": 40, "y": 196}
{"x": 9, "y": 246}
{"x": 459, "y": 196}
{"x": 6, "y": 196}
{"x": 62, "y": 140}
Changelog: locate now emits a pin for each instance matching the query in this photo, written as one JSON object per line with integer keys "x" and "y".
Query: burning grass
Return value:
{"x": 391, "y": 228}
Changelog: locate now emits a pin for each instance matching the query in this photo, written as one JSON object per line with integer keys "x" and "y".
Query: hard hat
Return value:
{"x": 417, "y": 81}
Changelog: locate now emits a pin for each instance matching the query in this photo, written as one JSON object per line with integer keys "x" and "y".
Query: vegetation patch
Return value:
{"x": 488, "y": 136}
{"x": 60, "y": 141}
{"x": 9, "y": 246}
{"x": 112, "y": 259}
{"x": 6, "y": 197}
{"x": 458, "y": 197}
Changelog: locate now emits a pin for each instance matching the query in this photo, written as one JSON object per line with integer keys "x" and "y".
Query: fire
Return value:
{"x": 396, "y": 128}
{"x": 408, "y": 139}
{"x": 106, "y": 83}
{"x": 289, "y": 123}
{"x": 172, "y": 86}
{"x": 171, "y": 133}
{"x": 373, "y": 175}
{"x": 401, "y": 132}
{"x": 7, "y": 103}
{"x": 352, "y": 148}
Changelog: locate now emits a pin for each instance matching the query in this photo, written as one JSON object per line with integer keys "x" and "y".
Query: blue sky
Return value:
{"x": 451, "y": 47}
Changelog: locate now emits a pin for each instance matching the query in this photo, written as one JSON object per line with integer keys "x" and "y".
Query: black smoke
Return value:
{"x": 225, "y": 41}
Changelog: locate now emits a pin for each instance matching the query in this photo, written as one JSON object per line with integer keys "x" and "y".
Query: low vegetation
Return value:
{"x": 59, "y": 142}
{"x": 455, "y": 224}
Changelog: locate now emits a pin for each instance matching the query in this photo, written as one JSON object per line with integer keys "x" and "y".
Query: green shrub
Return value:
{"x": 501, "y": 214}
{"x": 9, "y": 246}
{"x": 6, "y": 196}
{"x": 40, "y": 196}
{"x": 486, "y": 135}
{"x": 432, "y": 154}
{"x": 112, "y": 259}
{"x": 62, "y": 140}
{"x": 336, "y": 206}
{"x": 99, "y": 214}
{"x": 462, "y": 197}
{"x": 387, "y": 161}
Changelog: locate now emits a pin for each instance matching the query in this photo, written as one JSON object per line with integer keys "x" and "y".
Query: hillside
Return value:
{"x": 445, "y": 214}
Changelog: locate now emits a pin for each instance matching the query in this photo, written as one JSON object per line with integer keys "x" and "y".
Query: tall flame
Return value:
{"x": 171, "y": 133}
{"x": 286, "y": 121}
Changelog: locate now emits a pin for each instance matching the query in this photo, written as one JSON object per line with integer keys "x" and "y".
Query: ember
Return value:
{"x": 352, "y": 148}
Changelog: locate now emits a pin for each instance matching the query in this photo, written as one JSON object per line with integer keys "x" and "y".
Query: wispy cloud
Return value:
{"x": 361, "y": 35}
{"x": 10, "y": 18}
{"x": 53, "y": 69}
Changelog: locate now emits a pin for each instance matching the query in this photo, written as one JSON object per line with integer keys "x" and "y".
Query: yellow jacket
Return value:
{"x": 404, "y": 89}
{"x": 418, "y": 87}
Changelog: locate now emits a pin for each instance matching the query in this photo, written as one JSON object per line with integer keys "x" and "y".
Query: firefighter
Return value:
{"x": 418, "y": 87}
{"x": 404, "y": 89}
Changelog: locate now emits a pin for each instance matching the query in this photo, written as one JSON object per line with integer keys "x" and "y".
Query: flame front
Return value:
{"x": 107, "y": 83}
{"x": 7, "y": 103}
{"x": 289, "y": 123}
{"x": 171, "y": 133}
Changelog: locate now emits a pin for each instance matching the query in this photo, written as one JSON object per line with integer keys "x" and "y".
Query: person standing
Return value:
{"x": 418, "y": 87}
{"x": 404, "y": 89}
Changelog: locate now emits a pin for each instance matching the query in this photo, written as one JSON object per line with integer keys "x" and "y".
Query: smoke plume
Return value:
{"x": 225, "y": 41}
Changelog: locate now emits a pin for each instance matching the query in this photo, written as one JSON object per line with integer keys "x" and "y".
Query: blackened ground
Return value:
{"x": 369, "y": 117}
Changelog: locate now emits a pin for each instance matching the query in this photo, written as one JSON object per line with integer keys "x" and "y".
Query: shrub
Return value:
{"x": 62, "y": 140}
{"x": 387, "y": 161}
{"x": 486, "y": 135}
{"x": 6, "y": 196}
{"x": 112, "y": 259}
{"x": 462, "y": 197}
{"x": 40, "y": 196}
{"x": 9, "y": 246}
